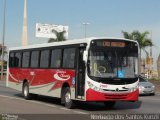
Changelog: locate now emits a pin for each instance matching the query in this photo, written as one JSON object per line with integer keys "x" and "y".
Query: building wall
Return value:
{"x": 158, "y": 65}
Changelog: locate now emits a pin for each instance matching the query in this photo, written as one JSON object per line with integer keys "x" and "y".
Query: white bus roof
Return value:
{"x": 67, "y": 42}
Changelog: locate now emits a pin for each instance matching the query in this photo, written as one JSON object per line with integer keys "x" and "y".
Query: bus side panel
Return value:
{"x": 13, "y": 80}
{"x": 43, "y": 81}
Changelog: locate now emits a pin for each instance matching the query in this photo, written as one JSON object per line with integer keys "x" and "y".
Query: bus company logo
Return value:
{"x": 103, "y": 86}
{"x": 61, "y": 75}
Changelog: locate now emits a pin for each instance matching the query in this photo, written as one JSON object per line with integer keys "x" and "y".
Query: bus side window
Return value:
{"x": 17, "y": 59}
{"x": 35, "y": 59}
{"x": 56, "y": 58}
{"x": 44, "y": 60}
{"x": 69, "y": 58}
{"x": 25, "y": 59}
{"x": 11, "y": 59}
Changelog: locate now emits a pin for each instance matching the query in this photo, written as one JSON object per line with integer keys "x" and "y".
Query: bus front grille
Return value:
{"x": 123, "y": 96}
{"x": 115, "y": 90}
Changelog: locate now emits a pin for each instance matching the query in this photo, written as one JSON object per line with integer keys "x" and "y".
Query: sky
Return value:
{"x": 107, "y": 18}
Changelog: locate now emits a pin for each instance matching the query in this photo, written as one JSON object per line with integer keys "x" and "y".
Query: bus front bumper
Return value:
{"x": 92, "y": 95}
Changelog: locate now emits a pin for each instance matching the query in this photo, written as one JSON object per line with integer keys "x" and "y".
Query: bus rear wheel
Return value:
{"x": 109, "y": 104}
{"x": 25, "y": 91}
{"x": 69, "y": 103}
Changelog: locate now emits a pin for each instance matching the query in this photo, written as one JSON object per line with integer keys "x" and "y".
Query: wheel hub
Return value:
{"x": 25, "y": 91}
{"x": 68, "y": 97}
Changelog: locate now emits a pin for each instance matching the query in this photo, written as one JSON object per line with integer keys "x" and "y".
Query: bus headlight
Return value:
{"x": 133, "y": 89}
{"x": 90, "y": 84}
{"x": 93, "y": 87}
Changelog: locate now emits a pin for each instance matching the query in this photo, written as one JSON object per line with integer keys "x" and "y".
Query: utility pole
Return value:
{"x": 3, "y": 39}
{"x": 24, "y": 31}
{"x": 85, "y": 29}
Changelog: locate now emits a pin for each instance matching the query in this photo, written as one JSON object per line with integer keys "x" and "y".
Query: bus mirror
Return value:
{"x": 85, "y": 56}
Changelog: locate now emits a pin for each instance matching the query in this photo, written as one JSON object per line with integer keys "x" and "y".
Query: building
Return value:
{"x": 158, "y": 66}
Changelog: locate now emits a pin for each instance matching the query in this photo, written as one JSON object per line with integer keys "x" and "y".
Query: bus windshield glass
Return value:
{"x": 116, "y": 61}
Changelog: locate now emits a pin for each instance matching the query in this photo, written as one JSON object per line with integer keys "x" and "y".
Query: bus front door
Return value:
{"x": 80, "y": 84}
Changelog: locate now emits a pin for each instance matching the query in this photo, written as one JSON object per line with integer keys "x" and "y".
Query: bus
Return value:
{"x": 91, "y": 69}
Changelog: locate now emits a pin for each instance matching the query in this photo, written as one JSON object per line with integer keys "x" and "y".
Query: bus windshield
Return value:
{"x": 112, "y": 62}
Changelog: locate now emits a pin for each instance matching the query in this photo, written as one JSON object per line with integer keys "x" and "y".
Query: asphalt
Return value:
{"x": 2, "y": 83}
{"x": 12, "y": 102}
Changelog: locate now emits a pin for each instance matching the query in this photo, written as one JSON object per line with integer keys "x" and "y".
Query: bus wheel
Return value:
{"x": 109, "y": 104}
{"x": 69, "y": 103}
{"x": 25, "y": 91}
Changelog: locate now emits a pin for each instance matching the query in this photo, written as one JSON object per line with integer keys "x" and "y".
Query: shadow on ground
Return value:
{"x": 91, "y": 106}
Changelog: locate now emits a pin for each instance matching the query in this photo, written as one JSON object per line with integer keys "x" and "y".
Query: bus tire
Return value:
{"x": 109, "y": 104}
{"x": 25, "y": 91}
{"x": 68, "y": 102}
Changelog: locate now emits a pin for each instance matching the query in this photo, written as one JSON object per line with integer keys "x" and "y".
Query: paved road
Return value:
{"x": 11, "y": 102}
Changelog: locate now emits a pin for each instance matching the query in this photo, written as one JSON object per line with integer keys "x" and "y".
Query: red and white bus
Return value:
{"x": 92, "y": 70}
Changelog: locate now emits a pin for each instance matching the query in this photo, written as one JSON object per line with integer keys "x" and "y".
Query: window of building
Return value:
{"x": 56, "y": 58}
{"x": 35, "y": 59}
{"x": 69, "y": 58}
{"x": 44, "y": 60}
{"x": 25, "y": 59}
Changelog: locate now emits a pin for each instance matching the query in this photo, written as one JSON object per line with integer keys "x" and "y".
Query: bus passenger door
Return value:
{"x": 80, "y": 84}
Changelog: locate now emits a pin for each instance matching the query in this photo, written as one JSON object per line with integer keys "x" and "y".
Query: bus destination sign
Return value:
{"x": 112, "y": 44}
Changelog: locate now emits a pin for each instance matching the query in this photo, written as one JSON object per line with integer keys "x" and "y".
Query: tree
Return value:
{"x": 141, "y": 38}
{"x": 5, "y": 51}
{"x": 127, "y": 35}
{"x": 60, "y": 37}
{"x": 158, "y": 66}
{"x": 3, "y": 63}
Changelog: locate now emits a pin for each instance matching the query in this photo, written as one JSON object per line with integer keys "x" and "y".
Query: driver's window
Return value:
{"x": 96, "y": 65}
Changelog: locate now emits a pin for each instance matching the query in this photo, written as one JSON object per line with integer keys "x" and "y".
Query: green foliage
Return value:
{"x": 141, "y": 38}
{"x": 127, "y": 35}
{"x": 154, "y": 79}
{"x": 5, "y": 51}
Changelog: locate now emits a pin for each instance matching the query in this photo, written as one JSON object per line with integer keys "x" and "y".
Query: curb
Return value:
{"x": 2, "y": 83}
